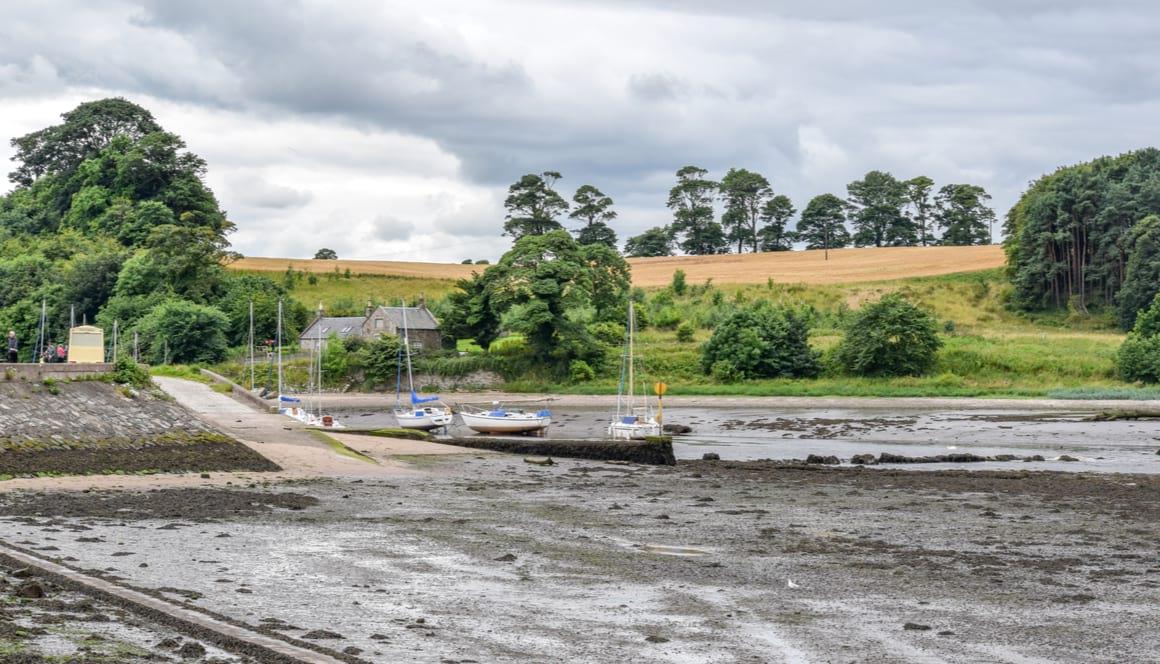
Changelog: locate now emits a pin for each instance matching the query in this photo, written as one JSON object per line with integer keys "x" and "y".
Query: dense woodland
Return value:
{"x": 110, "y": 220}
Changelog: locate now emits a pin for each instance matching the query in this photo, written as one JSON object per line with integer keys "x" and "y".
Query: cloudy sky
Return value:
{"x": 391, "y": 130}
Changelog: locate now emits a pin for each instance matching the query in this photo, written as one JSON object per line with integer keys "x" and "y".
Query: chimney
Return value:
{"x": 422, "y": 301}
{"x": 369, "y": 309}
{"x": 320, "y": 309}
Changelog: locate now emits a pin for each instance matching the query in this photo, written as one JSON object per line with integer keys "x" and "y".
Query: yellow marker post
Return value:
{"x": 660, "y": 388}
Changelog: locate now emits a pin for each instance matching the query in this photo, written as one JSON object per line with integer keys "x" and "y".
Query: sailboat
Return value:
{"x": 633, "y": 420}
{"x": 423, "y": 413}
{"x": 291, "y": 406}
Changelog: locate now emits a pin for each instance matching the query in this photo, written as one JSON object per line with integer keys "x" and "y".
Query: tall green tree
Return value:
{"x": 876, "y": 203}
{"x": 823, "y": 223}
{"x": 656, "y": 241}
{"x": 1142, "y": 281}
{"x": 775, "y": 215}
{"x": 469, "y": 313}
{"x": 921, "y": 208}
{"x": 1068, "y": 236}
{"x": 189, "y": 260}
{"x": 594, "y": 209}
{"x": 691, "y": 201}
{"x": 963, "y": 215}
{"x": 533, "y": 206}
{"x": 548, "y": 278}
{"x": 86, "y": 131}
{"x": 745, "y": 194}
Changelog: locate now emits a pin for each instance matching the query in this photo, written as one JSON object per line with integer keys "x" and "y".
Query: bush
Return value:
{"x": 128, "y": 372}
{"x": 685, "y": 332}
{"x": 183, "y": 332}
{"x": 891, "y": 337}
{"x": 679, "y": 284}
{"x": 579, "y": 371}
{"x": 761, "y": 343}
{"x": 1138, "y": 358}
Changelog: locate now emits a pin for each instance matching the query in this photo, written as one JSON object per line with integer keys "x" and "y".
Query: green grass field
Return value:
{"x": 988, "y": 351}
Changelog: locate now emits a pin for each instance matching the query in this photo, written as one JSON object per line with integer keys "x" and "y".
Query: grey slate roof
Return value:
{"x": 344, "y": 327}
{"x": 418, "y": 318}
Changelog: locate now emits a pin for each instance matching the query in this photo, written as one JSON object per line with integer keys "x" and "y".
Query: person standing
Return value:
{"x": 13, "y": 346}
{"x": 60, "y": 353}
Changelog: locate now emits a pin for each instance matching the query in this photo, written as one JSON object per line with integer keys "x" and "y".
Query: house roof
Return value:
{"x": 343, "y": 326}
{"x": 418, "y": 318}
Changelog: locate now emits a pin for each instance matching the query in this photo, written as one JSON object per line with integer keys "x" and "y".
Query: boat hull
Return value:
{"x": 507, "y": 423}
{"x": 423, "y": 419}
{"x": 633, "y": 430}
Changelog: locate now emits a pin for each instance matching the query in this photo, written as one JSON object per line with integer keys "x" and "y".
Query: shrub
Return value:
{"x": 184, "y": 332}
{"x": 579, "y": 371}
{"x": 685, "y": 332}
{"x": 1138, "y": 358}
{"x": 127, "y": 372}
{"x": 891, "y": 337}
{"x": 762, "y": 343}
{"x": 679, "y": 284}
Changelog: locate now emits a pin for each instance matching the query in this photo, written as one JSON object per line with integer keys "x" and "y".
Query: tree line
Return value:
{"x": 879, "y": 211}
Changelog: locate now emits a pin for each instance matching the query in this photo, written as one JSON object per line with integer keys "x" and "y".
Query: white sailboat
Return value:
{"x": 425, "y": 413}
{"x": 634, "y": 420}
{"x": 499, "y": 419}
{"x": 293, "y": 406}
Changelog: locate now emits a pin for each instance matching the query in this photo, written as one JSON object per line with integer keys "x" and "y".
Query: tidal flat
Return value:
{"x": 487, "y": 558}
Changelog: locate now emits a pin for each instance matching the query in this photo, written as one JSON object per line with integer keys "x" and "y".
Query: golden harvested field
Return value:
{"x": 807, "y": 267}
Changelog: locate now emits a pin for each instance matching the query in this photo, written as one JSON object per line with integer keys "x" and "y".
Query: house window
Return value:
{"x": 378, "y": 323}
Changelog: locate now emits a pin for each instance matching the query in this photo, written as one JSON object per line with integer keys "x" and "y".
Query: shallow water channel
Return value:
{"x": 1124, "y": 446}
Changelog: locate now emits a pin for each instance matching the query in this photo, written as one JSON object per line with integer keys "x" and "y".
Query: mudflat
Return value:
{"x": 488, "y": 558}
{"x": 406, "y": 556}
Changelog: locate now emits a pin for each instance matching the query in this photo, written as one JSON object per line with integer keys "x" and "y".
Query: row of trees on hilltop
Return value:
{"x": 881, "y": 210}
{"x": 110, "y": 220}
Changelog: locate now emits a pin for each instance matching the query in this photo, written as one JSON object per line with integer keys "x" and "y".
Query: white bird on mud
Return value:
{"x": 790, "y": 584}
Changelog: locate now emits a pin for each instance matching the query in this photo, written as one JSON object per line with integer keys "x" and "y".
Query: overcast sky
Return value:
{"x": 391, "y": 130}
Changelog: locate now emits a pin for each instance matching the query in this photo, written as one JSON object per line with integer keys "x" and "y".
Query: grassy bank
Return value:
{"x": 988, "y": 350}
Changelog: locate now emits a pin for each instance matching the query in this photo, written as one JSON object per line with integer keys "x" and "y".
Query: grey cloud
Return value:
{"x": 256, "y": 192}
{"x": 656, "y": 87}
{"x": 896, "y": 86}
{"x": 391, "y": 229}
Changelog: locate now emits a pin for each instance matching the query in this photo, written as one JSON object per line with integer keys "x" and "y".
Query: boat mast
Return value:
{"x": 631, "y": 378}
{"x": 318, "y": 364}
{"x": 407, "y": 346}
{"x": 278, "y": 340}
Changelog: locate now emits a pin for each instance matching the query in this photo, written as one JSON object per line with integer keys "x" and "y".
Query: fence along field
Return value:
{"x": 807, "y": 267}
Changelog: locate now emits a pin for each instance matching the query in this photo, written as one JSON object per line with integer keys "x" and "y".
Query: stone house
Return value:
{"x": 422, "y": 327}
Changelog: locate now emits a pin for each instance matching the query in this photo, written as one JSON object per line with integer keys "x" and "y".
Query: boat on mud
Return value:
{"x": 423, "y": 413}
{"x": 635, "y": 418}
{"x": 499, "y": 419}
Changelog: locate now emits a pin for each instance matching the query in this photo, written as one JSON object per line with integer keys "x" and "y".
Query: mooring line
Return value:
{"x": 230, "y": 637}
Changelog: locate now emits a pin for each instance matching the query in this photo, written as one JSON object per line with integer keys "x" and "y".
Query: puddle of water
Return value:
{"x": 740, "y": 434}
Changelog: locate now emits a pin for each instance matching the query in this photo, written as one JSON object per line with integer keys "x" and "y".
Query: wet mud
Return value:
{"x": 486, "y": 558}
{"x": 202, "y": 453}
